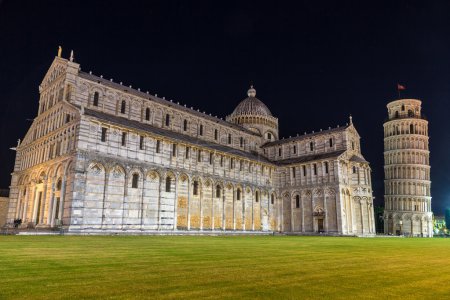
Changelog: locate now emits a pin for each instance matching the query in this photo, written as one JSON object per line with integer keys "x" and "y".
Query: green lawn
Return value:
{"x": 124, "y": 267}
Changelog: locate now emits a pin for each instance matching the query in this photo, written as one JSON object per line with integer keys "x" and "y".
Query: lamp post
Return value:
{"x": 401, "y": 224}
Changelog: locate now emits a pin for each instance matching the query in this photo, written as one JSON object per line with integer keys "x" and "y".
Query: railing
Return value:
{"x": 422, "y": 117}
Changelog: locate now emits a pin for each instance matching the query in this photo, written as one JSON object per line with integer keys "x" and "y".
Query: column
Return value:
{"x": 361, "y": 202}
{"x": 43, "y": 201}
{"x": 125, "y": 193}
{"x": 234, "y": 212}
{"x": 188, "y": 204}
{"x": 337, "y": 197}
{"x": 159, "y": 202}
{"x": 303, "y": 211}
{"x": 105, "y": 195}
{"x": 282, "y": 213}
{"x": 223, "y": 208}
{"x": 326, "y": 210}
{"x": 18, "y": 204}
{"x": 25, "y": 206}
{"x": 292, "y": 215}
{"x": 201, "y": 207}
{"x": 50, "y": 216}
{"x": 253, "y": 209}
{"x": 144, "y": 179}
{"x": 175, "y": 211}
{"x": 35, "y": 204}
{"x": 212, "y": 207}
{"x": 243, "y": 208}
{"x": 351, "y": 213}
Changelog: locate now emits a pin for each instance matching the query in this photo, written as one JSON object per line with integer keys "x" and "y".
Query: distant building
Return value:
{"x": 407, "y": 198}
{"x": 104, "y": 157}
{"x": 4, "y": 202}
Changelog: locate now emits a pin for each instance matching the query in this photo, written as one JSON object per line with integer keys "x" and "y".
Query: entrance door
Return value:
{"x": 320, "y": 225}
{"x": 38, "y": 213}
{"x": 57, "y": 208}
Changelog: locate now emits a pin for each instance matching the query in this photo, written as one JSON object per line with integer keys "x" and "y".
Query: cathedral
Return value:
{"x": 104, "y": 158}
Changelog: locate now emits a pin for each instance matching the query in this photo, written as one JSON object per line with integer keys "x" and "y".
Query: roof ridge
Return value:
{"x": 167, "y": 102}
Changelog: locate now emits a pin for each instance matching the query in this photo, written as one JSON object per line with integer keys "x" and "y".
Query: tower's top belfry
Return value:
{"x": 404, "y": 108}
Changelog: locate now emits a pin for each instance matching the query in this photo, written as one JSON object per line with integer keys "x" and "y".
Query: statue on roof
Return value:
{"x": 59, "y": 51}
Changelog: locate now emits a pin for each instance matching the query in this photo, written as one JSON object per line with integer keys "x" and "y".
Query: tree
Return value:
{"x": 447, "y": 217}
{"x": 379, "y": 222}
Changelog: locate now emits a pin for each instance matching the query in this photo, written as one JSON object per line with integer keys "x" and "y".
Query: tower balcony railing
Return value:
{"x": 422, "y": 117}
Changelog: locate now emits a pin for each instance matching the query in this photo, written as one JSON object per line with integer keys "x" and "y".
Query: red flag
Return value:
{"x": 400, "y": 87}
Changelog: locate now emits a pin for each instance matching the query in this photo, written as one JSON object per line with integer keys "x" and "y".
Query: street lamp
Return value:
{"x": 400, "y": 223}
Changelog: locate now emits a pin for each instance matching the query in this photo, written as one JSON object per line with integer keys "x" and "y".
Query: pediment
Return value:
{"x": 57, "y": 68}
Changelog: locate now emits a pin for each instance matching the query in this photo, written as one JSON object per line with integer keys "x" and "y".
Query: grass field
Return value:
{"x": 124, "y": 267}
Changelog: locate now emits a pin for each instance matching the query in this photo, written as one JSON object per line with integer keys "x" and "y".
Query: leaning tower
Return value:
{"x": 407, "y": 198}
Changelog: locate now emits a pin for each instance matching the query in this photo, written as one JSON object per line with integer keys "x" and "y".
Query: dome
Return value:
{"x": 251, "y": 106}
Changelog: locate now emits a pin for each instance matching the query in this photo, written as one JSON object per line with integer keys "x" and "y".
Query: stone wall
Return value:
{"x": 3, "y": 210}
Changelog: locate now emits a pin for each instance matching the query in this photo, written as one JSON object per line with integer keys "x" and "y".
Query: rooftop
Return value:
{"x": 165, "y": 102}
{"x": 301, "y": 137}
{"x": 173, "y": 135}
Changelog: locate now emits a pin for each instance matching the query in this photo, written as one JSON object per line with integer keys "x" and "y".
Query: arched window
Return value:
{"x": 168, "y": 184}
{"x": 238, "y": 194}
{"x": 96, "y": 96}
{"x": 58, "y": 185}
{"x": 147, "y": 114}
{"x": 403, "y": 107}
{"x": 410, "y": 113}
{"x": 218, "y": 190}
{"x": 195, "y": 191}
{"x": 229, "y": 138}
{"x": 279, "y": 151}
{"x": 256, "y": 196}
{"x": 396, "y": 114}
{"x": 185, "y": 125}
{"x": 331, "y": 142}
{"x": 272, "y": 199}
{"x": 354, "y": 170}
{"x": 269, "y": 136}
{"x": 297, "y": 201}
{"x": 167, "y": 120}
{"x": 326, "y": 167}
{"x": 123, "y": 107}
{"x": 311, "y": 146}
{"x": 216, "y": 134}
{"x": 201, "y": 129}
{"x": 134, "y": 181}
{"x": 411, "y": 129}
{"x": 241, "y": 142}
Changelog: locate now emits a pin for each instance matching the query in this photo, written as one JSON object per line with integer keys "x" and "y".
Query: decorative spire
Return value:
{"x": 351, "y": 119}
{"x": 59, "y": 51}
{"x": 251, "y": 92}
{"x": 71, "y": 55}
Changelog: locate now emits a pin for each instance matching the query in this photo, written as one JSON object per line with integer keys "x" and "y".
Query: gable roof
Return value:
{"x": 305, "y": 136}
{"x": 164, "y": 102}
{"x": 308, "y": 158}
{"x": 173, "y": 135}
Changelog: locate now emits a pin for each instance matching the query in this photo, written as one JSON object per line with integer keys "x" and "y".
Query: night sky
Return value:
{"x": 312, "y": 62}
